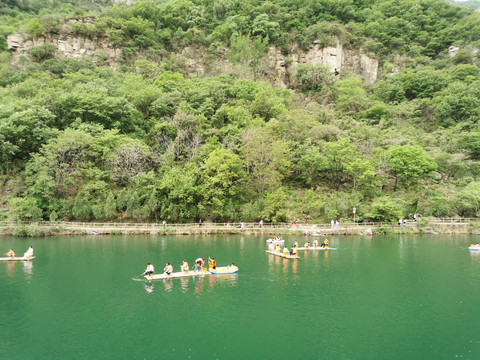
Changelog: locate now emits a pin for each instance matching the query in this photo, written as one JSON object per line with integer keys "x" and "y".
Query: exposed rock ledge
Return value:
{"x": 102, "y": 51}
{"x": 335, "y": 58}
{"x": 68, "y": 46}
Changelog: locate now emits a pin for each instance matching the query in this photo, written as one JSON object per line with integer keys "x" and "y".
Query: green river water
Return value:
{"x": 382, "y": 297}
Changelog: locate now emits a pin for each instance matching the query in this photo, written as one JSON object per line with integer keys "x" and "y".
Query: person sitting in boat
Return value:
{"x": 149, "y": 270}
{"x": 307, "y": 244}
{"x": 29, "y": 252}
{"x": 285, "y": 250}
{"x": 11, "y": 253}
{"x": 232, "y": 267}
{"x": 295, "y": 244}
{"x": 325, "y": 243}
{"x": 184, "y": 266}
{"x": 293, "y": 251}
{"x": 315, "y": 243}
{"x": 168, "y": 269}
{"x": 212, "y": 264}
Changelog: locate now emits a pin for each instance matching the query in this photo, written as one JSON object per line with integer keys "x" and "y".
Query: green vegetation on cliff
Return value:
{"x": 158, "y": 139}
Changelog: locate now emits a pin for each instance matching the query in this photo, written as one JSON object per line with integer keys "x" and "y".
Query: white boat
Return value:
{"x": 224, "y": 270}
{"x": 275, "y": 241}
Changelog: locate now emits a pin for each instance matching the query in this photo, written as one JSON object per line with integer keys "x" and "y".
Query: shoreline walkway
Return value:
{"x": 366, "y": 228}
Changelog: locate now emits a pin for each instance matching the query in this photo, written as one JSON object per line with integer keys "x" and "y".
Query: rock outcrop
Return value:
{"x": 337, "y": 59}
{"x": 69, "y": 45}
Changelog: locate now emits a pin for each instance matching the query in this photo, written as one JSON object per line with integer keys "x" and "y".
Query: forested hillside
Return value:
{"x": 158, "y": 137}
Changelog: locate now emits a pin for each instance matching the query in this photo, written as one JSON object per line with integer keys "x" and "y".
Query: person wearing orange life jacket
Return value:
{"x": 184, "y": 266}
{"x": 212, "y": 264}
{"x": 325, "y": 243}
{"x": 10, "y": 253}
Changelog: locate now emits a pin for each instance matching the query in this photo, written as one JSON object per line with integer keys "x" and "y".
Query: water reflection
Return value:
{"x": 28, "y": 267}
{"x": 149, "y": 288}
{"x": 168, "y": 285}
{"x": 474, "y": 254}
{"x": 198, "y": 284}
{"x": 10, "y": 268}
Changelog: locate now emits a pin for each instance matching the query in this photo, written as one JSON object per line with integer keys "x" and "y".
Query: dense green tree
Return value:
{"x": 408, "y": 163}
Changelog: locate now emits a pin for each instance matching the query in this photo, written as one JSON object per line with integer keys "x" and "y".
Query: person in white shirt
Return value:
{"x": 168, "y": 269}
{"x": 29, "y": 252}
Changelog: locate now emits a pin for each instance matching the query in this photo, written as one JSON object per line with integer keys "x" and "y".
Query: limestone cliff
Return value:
{"x": 102, "y": 51}
{"x": 336, "y": 59}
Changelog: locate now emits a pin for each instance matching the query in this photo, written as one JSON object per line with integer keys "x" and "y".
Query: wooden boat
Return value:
{"x": 287, "y": 256}
{"x": 316, "y": 248}
{"x": 176, "y": 275}
{"x": 224, "y": 270}
{"x": 17, "y": 258}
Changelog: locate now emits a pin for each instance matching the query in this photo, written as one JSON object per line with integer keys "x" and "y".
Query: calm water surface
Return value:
{"x": 408, "y": 297}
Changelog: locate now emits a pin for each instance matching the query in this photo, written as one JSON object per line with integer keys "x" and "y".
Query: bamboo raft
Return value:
{"x": 287, "y": 256}
{"x": 176, "y": 275}
{"x": 316, "y": 248}
{"x": 17, "y": 258}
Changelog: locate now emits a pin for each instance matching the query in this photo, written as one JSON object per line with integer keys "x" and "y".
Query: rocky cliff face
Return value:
{"x": 337, "y": 59}
{"x": 68, "y": 45}
{"x": 102, "y": 51}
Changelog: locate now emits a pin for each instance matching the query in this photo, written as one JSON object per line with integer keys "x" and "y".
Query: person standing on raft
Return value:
{"x": 198, "y": 264}
{"x": 315, "y": 243}
{"x": 325, "y": 243}
{"x": 168, "y": 269}
{"x": 149, "y": 270}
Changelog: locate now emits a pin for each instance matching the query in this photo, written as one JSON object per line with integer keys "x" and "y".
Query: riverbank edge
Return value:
{"x": 34, "y": 230}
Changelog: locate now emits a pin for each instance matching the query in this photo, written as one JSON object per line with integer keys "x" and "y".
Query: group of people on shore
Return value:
{"x": 27, "y": 254}
{"x": 199, "y": 266}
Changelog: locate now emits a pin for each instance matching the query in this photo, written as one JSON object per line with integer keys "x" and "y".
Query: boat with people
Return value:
{"x": 175, "y": 275}
{"x": 475, "y": 247}
{"x": 224, "y": 270}
{"x": 275, "y": 241}
{"x": 17, "y": 258}
{"x": 281, "y": 254}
